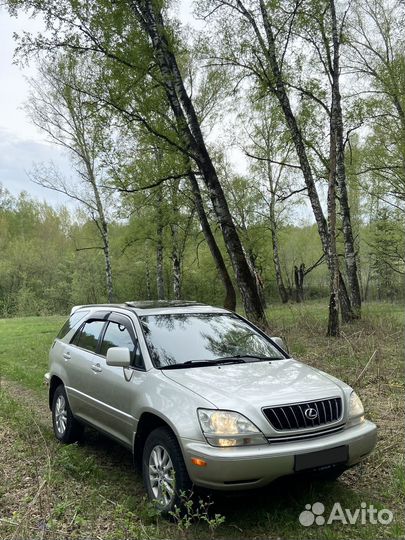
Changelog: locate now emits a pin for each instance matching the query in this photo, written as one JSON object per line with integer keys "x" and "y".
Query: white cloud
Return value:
{"x": 17, "y": 157}
{"x": 14, "y": 87}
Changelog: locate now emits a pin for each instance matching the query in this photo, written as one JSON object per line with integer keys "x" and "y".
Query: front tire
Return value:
{"x": 164, "y": 472}
{"x": 65, "y": 426}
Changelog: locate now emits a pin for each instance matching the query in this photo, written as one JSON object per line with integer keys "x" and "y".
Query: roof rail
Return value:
{"x": 75, "y": 308}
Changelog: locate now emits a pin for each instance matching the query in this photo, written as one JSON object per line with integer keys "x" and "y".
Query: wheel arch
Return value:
{"x": 53, "y": 385}
{"x": 148, "y": 422}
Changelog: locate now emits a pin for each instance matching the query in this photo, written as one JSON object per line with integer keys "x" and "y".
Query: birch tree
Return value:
{"x": 269, "y": 148}
{"x": 138, "y": 38}
{"x": 151, "y": 20}
{"x": 261, "y": 48}
{"x": 376, "y": 46}
{"x": 69, "y": 120}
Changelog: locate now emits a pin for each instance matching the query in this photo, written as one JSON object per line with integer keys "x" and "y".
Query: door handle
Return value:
{"x": 66, "y": 355}
{"x": 96, "y": 368}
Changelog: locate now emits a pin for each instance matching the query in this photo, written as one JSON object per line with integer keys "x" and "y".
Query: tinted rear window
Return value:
{"x": 89, "y": 335}
{"x": 75, "y": 318}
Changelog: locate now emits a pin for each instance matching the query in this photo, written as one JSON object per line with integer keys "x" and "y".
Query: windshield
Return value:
{"x": 178, "y": 338}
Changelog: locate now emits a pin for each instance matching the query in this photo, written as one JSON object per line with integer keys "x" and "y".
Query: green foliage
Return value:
{"x": 105, "y": 63}
{"x": 196, "y": 509}
{"x": 386, "y": 253}
{"x": 45, "y": 268}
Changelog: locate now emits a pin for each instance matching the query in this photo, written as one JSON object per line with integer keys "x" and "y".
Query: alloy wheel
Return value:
{"x": 161, "y": 475}
{"x": 60, "y": 415}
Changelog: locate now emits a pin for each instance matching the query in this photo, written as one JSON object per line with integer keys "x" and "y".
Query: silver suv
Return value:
{"x": 200, "y": 396}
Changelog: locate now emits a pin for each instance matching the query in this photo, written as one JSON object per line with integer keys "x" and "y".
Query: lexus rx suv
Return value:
{"x": 201, "y": 397}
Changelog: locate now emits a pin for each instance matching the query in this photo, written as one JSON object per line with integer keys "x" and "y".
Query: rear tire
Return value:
{"x": 164, "y": 472}
{"x": 65, "y": 426}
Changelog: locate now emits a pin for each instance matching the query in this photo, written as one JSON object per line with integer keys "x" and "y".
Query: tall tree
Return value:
{"x": 334, "y": 164}
{"x": 137, "y": 37}
{"x": 337, "y": 133}
{"x": 263, "y": 56}
{"x": 376, "y": 54}
{"x": 269, "y": 148}
{"x": 150, "y": 17}
{"x": 71, "y": 121}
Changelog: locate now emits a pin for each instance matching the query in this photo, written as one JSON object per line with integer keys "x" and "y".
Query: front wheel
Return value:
{"x": 164, "y": 472}
{"x": 65, "y": 426}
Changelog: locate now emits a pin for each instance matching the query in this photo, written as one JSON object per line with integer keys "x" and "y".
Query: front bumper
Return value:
{"x": 255, "y": 466}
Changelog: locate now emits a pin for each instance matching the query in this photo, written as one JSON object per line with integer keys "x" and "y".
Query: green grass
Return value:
{"x": 90, "y": 490}
{"x": 24, "y": 348}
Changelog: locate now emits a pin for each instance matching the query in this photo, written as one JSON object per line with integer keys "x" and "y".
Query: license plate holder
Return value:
{"x": 322, "y": 459}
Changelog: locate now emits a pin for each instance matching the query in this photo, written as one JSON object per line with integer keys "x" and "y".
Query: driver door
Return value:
{"x": 117, "y": 388}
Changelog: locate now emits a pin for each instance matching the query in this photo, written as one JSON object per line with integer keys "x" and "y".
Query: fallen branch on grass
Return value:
{"x": 365, "y": 367}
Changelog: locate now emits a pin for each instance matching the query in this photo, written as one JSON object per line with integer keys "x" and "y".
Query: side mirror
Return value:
{"x": 279, "y": 341}
{"x": 118, "y": 357}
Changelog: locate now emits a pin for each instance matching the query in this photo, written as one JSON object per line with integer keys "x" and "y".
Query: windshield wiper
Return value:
{"x": 258, "y": 357}
{"x": 202, "y": 363}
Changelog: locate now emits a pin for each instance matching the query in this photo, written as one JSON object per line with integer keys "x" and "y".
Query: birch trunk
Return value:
{"x": 176, "y": 267}
{"x": 230, "y": 295}
{"x": 276, "y": 260}
{"x": 150, "y": 17}
{"x": 349, "y": 246}
{"x": 147, "y": 282}
{"x": 176, "y": 251}
{"x": 333, "y": 323}
{"x": 108, "y": 268}
{"x": 160, "y": 281}
{"x": 102, "y": 225}
{"x": 299, "y": 275}
{"x": 274, "y": 238}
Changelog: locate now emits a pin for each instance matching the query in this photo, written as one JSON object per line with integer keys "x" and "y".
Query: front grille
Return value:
{"x": 292, "y": 417}
{"x": 305, "y": 436}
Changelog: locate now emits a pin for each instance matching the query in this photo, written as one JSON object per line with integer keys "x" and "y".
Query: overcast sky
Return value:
{"x": 21, "y": 144}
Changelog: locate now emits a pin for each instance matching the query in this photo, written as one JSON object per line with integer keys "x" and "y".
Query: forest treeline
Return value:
{"x": 310, "y": 93}
{"x": 51, "y": 260}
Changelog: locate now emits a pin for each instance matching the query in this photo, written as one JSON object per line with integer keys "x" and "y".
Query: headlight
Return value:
{"x": 356, "y": 409}
{"x": 227, "y": 428}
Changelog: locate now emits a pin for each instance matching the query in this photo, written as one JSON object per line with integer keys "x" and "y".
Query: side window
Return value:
{"x": 117, "y": 335}
{"x": 71, "y": 322}
{"x": 88, "y": 337}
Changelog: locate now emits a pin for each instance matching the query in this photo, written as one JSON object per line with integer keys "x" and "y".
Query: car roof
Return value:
{"x": 156, "y": 307}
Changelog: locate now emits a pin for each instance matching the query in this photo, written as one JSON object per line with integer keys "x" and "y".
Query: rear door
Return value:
{"x": 81, "y": 366}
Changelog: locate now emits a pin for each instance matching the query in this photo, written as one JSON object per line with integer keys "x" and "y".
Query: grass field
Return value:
{"x": 90, "y": 490}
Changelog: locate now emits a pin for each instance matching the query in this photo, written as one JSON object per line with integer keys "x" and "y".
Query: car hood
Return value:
{"x": 257, "y": 384}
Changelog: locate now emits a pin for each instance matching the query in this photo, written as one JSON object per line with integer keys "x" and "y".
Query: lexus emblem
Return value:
{"x": 311, "y": 413}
